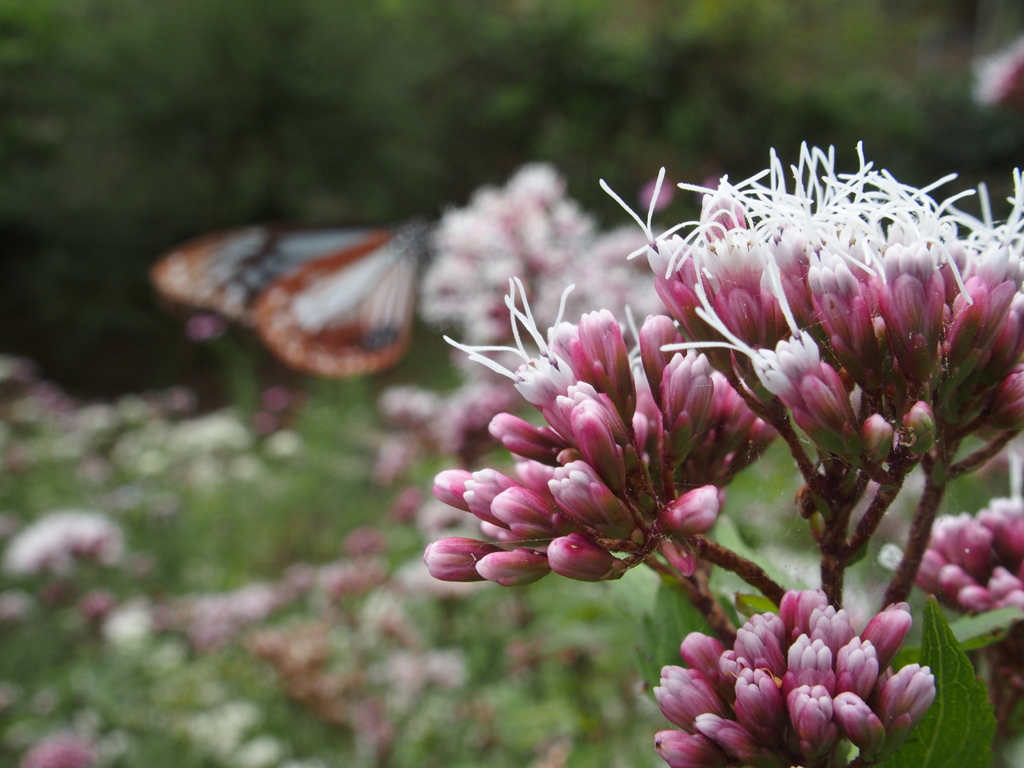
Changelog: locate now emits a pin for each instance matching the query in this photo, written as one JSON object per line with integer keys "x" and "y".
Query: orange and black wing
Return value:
{"x": 226, "y": 272}
{"x": 345, "y": 314}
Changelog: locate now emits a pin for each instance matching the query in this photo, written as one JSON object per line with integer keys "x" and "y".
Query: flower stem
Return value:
{"x": 936, "y": 478}
{"x": 980, "y": 456}
{"x": 750, "y": 572}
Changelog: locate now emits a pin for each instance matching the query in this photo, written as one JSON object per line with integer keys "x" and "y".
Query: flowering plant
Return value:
{"x": 875, "y": 332}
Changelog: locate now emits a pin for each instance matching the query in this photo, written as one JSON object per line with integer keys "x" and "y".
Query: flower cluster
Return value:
{"x": 454, "y": 424}
{"x": 792, "y": 687}
{"x": 977, "y": 563}
{"x": 866, "y": 307}
{"x": 53, "y": 543}
{"x": 532, "y": 230}
{"x": 631, "y": 456}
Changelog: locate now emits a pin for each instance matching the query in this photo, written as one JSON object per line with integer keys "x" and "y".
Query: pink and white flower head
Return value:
{"x": 793, "y": 687}
{"x": 53, "y": 543}
{"x": 845, "y": 282}
{"x": 532, "y": 230}
{"x": 616, "y": 474}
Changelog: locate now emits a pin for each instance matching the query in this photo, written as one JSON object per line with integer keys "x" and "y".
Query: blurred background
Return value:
{"x": 249, "y": 597}
{"x": 128, "y": 127}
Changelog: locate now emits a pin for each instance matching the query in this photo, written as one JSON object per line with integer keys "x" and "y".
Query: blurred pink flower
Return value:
{"x": 205, "y": 326}
{"x": 63, "y": 750}
{"x": 666, "y": 194}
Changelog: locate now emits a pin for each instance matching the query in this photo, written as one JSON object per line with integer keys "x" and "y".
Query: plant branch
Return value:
{"x": 871, "y": 518}
{"x": 920, "y": 527}
{"x": 980, "y": 456}
{"x": 749, "y": 571}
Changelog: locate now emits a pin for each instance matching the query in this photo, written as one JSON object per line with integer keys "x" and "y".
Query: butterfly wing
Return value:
{"x": 227, "y": 271}
{"x": 345, "y": 314}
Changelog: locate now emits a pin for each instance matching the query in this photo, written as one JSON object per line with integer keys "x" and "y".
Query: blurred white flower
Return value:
{"x": 245, "y": 468}
{"x": 285, "y": 444}
{"x": 129, "y": 625}
{"x": 261, "y": 752}
{"x": 15, "y": 605}
{"x": 220, "y": 431}
{"x": 53, "y": 543}
{"x": 222, "y": 729}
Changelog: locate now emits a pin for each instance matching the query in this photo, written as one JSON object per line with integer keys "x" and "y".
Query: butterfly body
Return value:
{"x": 332, "y": 302}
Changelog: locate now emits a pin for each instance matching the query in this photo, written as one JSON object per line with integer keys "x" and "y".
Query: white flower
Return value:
{"x": 129, "y": 625}
{"x": 221, "y": 431}
{"x": 221, "y": 730}
{"x": 261, "y": 752}
{"x": 284, "y": 444}
{"x": 54, "y": 542}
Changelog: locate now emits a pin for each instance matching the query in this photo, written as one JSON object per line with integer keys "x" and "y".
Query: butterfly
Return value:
{"x": 331, "y": 302}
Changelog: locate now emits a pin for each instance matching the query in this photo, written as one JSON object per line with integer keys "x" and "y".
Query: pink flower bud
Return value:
{"x": 1003, "y": 583}
{"x": 810, "y": 664}
{"x": 843, "y": 305}
{"x": 450, "y": 486}
{"x": 455, "y": 559}
{"x": 859, "y": 724}
{"x": 952, "y": 579}
{"x": 527, "y": 514}
{"x": 594, "y": 428}
{"x": 587, "y": 500}
{"x": 911, "y": 302}
{"x": 814, "y": 392}
{"x": 760, "y": 705}
{"x": 679, "y": 557}
{"x": 657, "y": 331}
{"x": 514, "y": 569}
{"x": 919, "y": 426}
{"x": 535, "y": 476}
{"x": 692, "y": 513}
{"x": 928, "y": 575}
{"x": 683, "y": 750}
{"x": 810, "y": 710}
{"x": 887, "y": 630}
{"x": 687, "y": 394}
{"x": 599, "y": 356}
{"x": 796, "y": 608}
{"x": 910, "y": 691}
{"x": 975, "y": 599}
{"x": 684, "y": 694}
{"x": 523, "y": 439}
{"x": 702, "y": 653}
{"x": 576, "y": 557}
{"x": 759, "y": 643}
{"x": 876, "y": 437}
{"x": 832, "y": 627}
{"x": 857, "y": 667}
{"x": 481, "y": 489}
{"x": 738, "y": 742}
{"x": 1008, "y": 403}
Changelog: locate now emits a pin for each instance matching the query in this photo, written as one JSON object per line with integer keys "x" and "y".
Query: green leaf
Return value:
{"x": 985, "y": 628}
{"x": 753, "y": 604}
{"x": 674, "y": 618}
{"x": 957, "y": 730}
